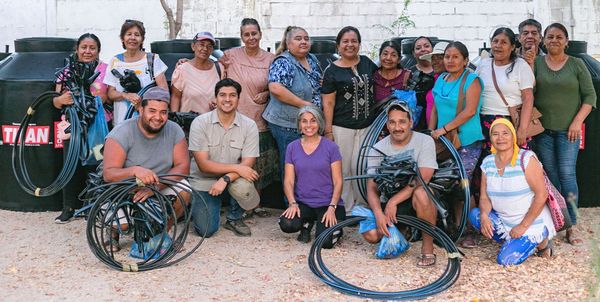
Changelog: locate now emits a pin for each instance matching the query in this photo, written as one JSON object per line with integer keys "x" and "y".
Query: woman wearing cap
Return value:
{"x": 515, "y": 81}
{"x": 449, "y": 87}
{"x": 193, "y": 82}
{"x": 436, "y": 57}
{"x": 137, "y": 60}
{"x": 249, "y": 66}
{"x": 294, "y": 82}
{"x": 87, "y": 50}
{"x": 512, "y": 208}
{"x": 313, "y": 181}
{"x": 390, "y": 76}
{"x": 348, "y": 104}
{"x": 565, "y": 96}
{"x": 422, "y": 77}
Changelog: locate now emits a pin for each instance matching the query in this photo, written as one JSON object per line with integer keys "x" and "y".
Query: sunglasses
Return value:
{"x": 134, "y": 21}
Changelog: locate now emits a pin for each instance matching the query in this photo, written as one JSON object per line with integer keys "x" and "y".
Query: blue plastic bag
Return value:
{"x": 149, "y": 247}
{"x": 96, "y": 134}
{"x": 410, "y": 96}
{"x": 389, "y": 247}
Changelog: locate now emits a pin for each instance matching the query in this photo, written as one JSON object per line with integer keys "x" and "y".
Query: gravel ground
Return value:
{"x": 43, "y": 261}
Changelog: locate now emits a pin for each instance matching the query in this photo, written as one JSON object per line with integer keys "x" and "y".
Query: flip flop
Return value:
{"x": 426, "y": 260}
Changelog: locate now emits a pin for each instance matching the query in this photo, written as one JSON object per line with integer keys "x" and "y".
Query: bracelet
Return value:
{"x": 293, "y": 204}
{"x": 444, "y": 127}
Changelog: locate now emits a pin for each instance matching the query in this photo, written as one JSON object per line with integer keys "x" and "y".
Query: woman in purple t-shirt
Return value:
{"x": 313, "y": 180}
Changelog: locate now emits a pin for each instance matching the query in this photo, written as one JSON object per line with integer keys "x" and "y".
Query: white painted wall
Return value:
{"x": 470, "y": 21}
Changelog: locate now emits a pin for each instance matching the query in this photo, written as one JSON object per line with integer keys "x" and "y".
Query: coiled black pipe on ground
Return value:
{"x": 445, "y": 281}
{"x": 143, "y": 220}
{"x": 76, "y": 144}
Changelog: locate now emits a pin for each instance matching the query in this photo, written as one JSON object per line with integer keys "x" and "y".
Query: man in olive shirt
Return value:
{"x": 224, "y": 144}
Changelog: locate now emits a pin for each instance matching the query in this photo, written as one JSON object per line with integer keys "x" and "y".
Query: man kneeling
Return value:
{"x": 411, "y": 198}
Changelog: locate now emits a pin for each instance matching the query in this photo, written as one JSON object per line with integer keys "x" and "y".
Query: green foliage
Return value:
{"x": 397, "y": 28}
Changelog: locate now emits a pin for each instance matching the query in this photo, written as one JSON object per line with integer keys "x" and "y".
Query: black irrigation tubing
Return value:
{"x": 76, "y": 144}
{"x": 131, "y": 109}
{"x": 445, "y": 281}
{"x": 143, "y": 220}
{"x": 362, "y": 165}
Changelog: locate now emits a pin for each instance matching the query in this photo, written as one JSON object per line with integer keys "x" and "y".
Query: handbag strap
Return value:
{"x": 496, "y": 85}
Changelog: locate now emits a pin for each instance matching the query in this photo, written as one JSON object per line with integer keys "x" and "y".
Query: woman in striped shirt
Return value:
{"x": 512, "y": 207}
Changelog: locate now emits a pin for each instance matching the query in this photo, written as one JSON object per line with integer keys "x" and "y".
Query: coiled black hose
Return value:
{"x": 74, "y": 151}
{"x": 372, "y": 137}
{"x": 114, "y": 209}
{"x": 445, "y": 281}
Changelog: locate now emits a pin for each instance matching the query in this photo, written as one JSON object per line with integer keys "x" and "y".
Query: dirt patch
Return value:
{"x": 43, "y": 261}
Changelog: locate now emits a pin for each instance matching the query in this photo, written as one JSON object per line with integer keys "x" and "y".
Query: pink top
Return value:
{"x": 197, "y": 87}
{"x": 253, "y": 74}
{"x": 429, "y": 99}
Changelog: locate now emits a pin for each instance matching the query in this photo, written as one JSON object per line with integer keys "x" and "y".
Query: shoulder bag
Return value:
{"x": 535, "y": 124}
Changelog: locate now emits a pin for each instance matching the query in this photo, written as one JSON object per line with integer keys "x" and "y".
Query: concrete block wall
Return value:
{"x": 470, "y": 21}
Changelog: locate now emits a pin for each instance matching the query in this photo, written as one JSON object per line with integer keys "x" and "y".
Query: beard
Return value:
{"x": 150, "y": 129}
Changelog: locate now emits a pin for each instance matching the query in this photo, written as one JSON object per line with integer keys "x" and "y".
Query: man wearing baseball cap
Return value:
{"x": 224, "y": 144}
{"x": 146, "y": 146}
{"x": 411, "y": 198}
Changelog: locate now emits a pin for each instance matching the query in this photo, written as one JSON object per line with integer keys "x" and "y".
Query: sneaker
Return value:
{"x": 65, "y": 216}
{"x": 238, "y": 227}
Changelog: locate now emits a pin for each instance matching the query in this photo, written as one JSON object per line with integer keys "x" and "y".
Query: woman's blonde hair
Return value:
{"x": 289, "y": 31}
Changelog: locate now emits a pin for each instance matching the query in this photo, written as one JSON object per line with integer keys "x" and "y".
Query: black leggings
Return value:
{"x": 70, "y": 193}
{"x": 313, "y": 215}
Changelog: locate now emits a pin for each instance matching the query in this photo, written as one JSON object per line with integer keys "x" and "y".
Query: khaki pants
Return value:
{"x": 349, "y": 141}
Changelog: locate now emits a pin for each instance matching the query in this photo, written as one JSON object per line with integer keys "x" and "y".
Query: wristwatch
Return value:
{"x": 226, "y": 179}
{"x": 334, "y": 206}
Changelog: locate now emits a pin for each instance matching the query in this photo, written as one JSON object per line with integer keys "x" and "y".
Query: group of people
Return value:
{"x": 267, "y": 116}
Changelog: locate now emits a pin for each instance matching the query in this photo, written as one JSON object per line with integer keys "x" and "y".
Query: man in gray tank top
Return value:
{"x": 146, "y": 146}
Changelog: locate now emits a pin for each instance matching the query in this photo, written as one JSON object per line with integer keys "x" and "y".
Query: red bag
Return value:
{"x": 556, "y": 202}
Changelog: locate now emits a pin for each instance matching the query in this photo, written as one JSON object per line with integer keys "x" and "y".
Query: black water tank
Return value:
{"x": 588, "y": 161}
{"x": 172, "y": 50}
{"x": 23, "y": 76}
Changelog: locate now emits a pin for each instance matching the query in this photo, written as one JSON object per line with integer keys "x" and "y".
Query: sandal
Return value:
{"x": 262, "y": 213}
{"x": 572, "y": 237}
{"x": 426, "y": 260}
{"x": 547, "y": 251}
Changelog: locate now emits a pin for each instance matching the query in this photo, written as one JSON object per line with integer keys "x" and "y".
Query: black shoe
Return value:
{"x": 65, "y": 216}
{"x": 238, "y": 227}
{"x": 304, "y": 235}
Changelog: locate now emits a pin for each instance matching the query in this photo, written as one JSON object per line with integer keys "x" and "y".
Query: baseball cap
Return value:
{"x": 438, "y": 49}
{"x": 244, "y": 192}
{"x": 204, "y": 35}
{"x": 399, "y": 104}
{"x": 157, "y": 94}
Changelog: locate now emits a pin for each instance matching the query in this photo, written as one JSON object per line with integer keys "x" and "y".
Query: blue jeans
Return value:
{"x": 513, "y": 251}
{"x": 212, "y": 214}
{"x": 283, "y": 137}
{"x": 559, "y": 158}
